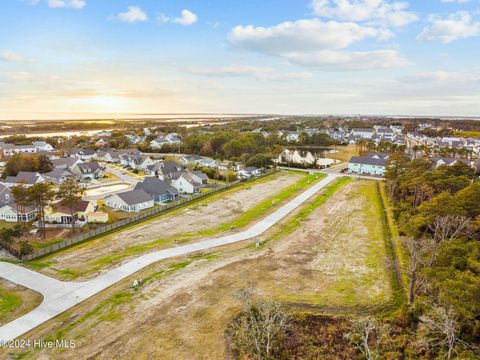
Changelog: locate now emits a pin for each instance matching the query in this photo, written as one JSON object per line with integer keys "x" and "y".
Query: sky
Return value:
{"x": 366, "y": 57}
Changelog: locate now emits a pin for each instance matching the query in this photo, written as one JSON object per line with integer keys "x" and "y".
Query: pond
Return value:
{"x": 306, "y": 157}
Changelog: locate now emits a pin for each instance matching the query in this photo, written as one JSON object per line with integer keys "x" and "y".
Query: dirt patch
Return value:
{"x": 184, "y": 315}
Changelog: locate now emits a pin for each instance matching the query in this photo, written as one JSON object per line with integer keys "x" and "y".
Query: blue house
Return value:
{"x": 158, "y": 189}
{"x": 374, "y": 165}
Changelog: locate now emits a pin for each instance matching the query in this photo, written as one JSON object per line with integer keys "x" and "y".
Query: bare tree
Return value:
{"x": 257, "y": 329}
{"x": 448, "y": 227}
{"x": 439, "y": 329}
{"x": 423, "y": 253}
{"x": 367, "y": 334}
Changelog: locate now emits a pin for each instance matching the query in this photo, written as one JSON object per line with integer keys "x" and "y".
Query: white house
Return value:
{"x": 25, "y": 178}
{"x": 43, "y": 146}
{"x": 9, "y": 213}
{"x": 363, "y": 133}
{"x": 186, "y": 184}
{"x": 130, "y": 201}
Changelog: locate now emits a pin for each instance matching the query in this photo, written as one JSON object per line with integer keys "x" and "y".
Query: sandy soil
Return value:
{"x": 200, "y": 216}
{"x": 334, "y": 260}
{"x": 29, "y": 300}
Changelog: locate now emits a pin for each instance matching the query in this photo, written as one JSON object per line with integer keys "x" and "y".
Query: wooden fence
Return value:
{"x": 125, "y": 222}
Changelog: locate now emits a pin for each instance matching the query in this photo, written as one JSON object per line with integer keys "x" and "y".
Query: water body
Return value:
{"x": 307, "y": 157}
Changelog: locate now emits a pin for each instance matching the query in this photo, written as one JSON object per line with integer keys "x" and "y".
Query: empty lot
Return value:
{"x": 331, "y": 260}
{"x": 204, "y": 218}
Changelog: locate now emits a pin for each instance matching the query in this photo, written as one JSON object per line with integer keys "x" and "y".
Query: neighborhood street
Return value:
{"x": 60, "y": 296}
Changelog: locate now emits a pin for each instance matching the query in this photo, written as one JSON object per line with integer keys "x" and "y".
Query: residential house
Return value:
{"x": 363, "y": 133}
{"x": 293, "y": 136}
{"x": 60, "y": 213}
{"x": 104, "y": 134}
{"x": 185, "y": 183}
{"x": 137, "y": 162}
{"x": 101, "y": 142}
{"x": 43, "y": 146}
{"x": 88, "y": 171}
{"x": 166, "y": 169}
{"x": 25, "y": 178}
{"x": 6, "y": 196}
{"x": 248, "y": 172}
{"x": 26, "y": 149}
{"x": 367, "y": 165}
{"x": 10, "y": 213}
{"x": 130, "y": 201}
{"x": 158, "y": 189}
{"x": 58, "y": 176}
{"x": 66, "y": 163}
{"x": 84, "y": 154}
{"x": 199, "y": 177}
{"x": 438, "y": 161}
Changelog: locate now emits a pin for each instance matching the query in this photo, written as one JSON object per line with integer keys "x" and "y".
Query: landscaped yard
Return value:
{"x": 234, "y": 208}
{"x": 318, "y": 258}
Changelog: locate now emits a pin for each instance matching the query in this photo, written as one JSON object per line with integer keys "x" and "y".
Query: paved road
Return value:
{"x": 60, "y": 296}
{"x": 125, "y": 177}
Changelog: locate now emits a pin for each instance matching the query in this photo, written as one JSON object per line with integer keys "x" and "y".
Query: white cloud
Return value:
{"x": 354, "y": 60}
{"x": 260, "y": 73}
{"x": 443, "y": 77}
{"x": 186, "y": 18}
{"x": 456, "y": 26}
{"x": 382, "y": 12}
{"x": 11, "y": 56}
{"x": 317, "y": 43}
{"x": 302, "y": 35}
{"x": 20, "y": 76}
{"x": 233, "y": 70}
{"x": 72, "y": 4}
{"x": 456, "y": 1}
{"x": 132, "y": 15}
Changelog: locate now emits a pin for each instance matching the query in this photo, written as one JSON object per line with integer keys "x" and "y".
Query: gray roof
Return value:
{"x": 378, "y": 154}
{"x": 89, "y": 168}
{"x": 57, "y": 173}
{"x": 450, "y": 161}
{"x": 367, "y": 161}
{"x": 65, "y": 161}
{"x": 251, "y": 169}
{"x": 134, "y": 197}
{"x": 24, "y": 177}
{"x": 155, "y": 186}
{"x": 200, "y": 174}
{"x": 192, "y": 157}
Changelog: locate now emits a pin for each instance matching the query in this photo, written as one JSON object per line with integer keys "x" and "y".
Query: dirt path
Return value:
{"x": 200, "y": 216}
{"x": 183, "y": 313}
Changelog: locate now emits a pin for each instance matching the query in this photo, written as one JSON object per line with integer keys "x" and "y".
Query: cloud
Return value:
{"x": 72, "y": 4}
{"x": 382, "y": 12}
{"x": 233, "y": 70}
{"x": 11, "y": 56}
{"x": 133, "y": 14}
{"x": 442, "y": 77}
{"x": 456, "y": 1}
{"x": 317, "y": 43}
{"x": 20, "y": 76}
{"x": 456, "y": 26}
{"x": 302, "y": 35}
{"x": 186, "y": 18}
{"x": 260, "y": 73}
{"x": 354, "y": 60}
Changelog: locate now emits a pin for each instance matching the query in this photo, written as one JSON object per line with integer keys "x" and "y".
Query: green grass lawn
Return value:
{"x": 8, "y": 302}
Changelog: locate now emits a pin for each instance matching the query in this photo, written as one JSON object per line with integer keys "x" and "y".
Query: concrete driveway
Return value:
{"x": 60, "y": 296}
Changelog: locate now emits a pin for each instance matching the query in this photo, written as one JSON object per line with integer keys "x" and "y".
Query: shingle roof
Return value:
{"x": 367, "y": 161}
{"x": 134, "y": 197}
{"x": 155, "y": 186}
{"x": 89, "y": 168}
{"x": 24, "y": 177}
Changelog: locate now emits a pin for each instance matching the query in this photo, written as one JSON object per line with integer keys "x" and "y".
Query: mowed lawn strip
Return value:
{"x": 246, "y": 218}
